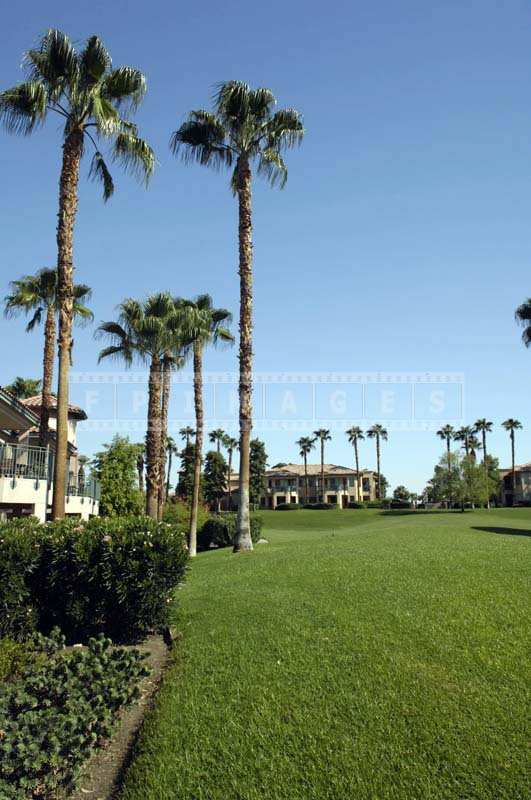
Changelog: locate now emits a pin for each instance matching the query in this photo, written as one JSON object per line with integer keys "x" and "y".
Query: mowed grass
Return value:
{"x": 357, "y": 655}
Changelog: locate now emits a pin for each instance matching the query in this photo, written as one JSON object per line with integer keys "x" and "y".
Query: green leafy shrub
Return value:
{"x": 19, "y": 557}
{"x": 221, "y": 530}
{"x": 287, "y": 507}
{"x": 114, "y": 576}
{"x": 320, "y": 506}
{"x": 356, "y": 504}
{"x": 375, "y": 504}
{"x": 177, "y": 512}
{"x": 58, "y": 711}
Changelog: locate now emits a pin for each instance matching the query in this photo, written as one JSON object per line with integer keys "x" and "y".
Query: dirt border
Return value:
{"x": 102, "y": 775}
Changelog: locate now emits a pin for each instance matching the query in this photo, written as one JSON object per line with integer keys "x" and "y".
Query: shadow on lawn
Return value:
{"x": 401, "y": 512}
{"x": 503, "y": 531}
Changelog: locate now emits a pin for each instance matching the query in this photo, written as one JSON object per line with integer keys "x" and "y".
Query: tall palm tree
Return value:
{"x": 202, "y": 325}
{"x": 24, "y": 387}
{"x": 512, "y": 425}
{"x": 146, "y": 330}
{"x": 216, "y": 437}
{"x": 447, "y": 434}
{"x": 324, "y": 436}
{"x": 172, "y": 359}
{"x": 305, "y": 445}
{"x": 83, "y": 90}
{"x": 473, "y": 445}
{"x": 483, "y": 426}
{"x": 172, "y": 450}
{"x": 242, "y": 131}
{"x": 39, "y": 294}
{"x": 230, "y": 444}
{"x": 355, "y": 435}
{"x": 523, "y": 317}
{"x": 186, "y": 433}
{"x": 379, "y": 433}
{"x": 464, "y": 435}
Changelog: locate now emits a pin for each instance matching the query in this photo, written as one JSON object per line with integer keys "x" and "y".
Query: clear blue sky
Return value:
{"x": 402, "y": 241}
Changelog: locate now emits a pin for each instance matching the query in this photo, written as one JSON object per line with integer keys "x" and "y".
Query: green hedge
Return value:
{"x": 111, "y": 575}
{"x": 221, "y": 530}
{"x": 356, "y": 504}
{"x": 58, "y": 710}
{"x": 320, "y": 506}
{"x": 287, "y": 507}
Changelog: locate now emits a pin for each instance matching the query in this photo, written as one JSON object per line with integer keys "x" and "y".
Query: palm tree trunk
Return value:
{"x": 153, "y": 439}
{"x": 306, "y": 477}
{"x": 166, "y": 374}
{"x": 378, "y": 468}
{"x": 484, "y": 437}
{"x": 243, "y": 541}
{"x": 513, "y": 469}
{"x": 169, "y": 473}
{"x": 360, "y": 493}
{"x": 449, "y": 461}
{"x": 322, "y": 473}
{"x": 47, "y": 375}
{"x": 68, "y": 183}
{"x": 198, "y": 400}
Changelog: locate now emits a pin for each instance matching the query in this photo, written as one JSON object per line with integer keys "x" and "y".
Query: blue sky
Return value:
{"x": 402, "y": 242}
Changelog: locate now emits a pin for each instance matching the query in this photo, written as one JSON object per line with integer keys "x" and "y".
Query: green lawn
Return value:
{"x": 357, "y": 655}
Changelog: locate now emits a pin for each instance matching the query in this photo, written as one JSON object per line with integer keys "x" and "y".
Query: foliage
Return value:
{"x": 116, "y": 469}
{"x": 185, "y": 484}
{"x": 58, "y": 710}
{"x": 320, "y": 506}
{"x": 177, "y": 513}
{"x": 402, "y": 494}
{"x": 257, "y": 470}
{"x": 21, "y": 388}
{"x": 460, "y": 480}
{"x": 374, "y": 504}
{"x": 221, "y": 530}
{"x": 15, "y": 656}
{"x": 356, "y": 504}
{"x": 110, "y": 575}
{"x": 214, "y": 477}
{"x": 287, "y": 507}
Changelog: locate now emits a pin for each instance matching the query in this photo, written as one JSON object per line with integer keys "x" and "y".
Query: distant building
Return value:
{"x": 26, "y": 469}
{"x": 287, "y": 484}
{"x": 522, "y": 494}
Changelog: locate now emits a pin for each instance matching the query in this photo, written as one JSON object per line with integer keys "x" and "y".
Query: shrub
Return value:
{"x": 375, "y": 504}
{"x": 221, "y": 530}
{"x": 320, "y": 506}
{"x": 287, "y": 507}
{"x": 177, "y": 512}
{"x": 58, "y": 711}
{"x": 19, "y": 557}
{"x": 114, "y": 576}
{"x": 356, "y": 504}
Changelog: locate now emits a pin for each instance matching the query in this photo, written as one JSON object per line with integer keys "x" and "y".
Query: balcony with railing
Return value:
{"x": 20, "y": 461}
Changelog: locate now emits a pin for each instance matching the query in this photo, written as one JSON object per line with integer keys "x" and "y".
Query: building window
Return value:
{"x": 332, "y": 499}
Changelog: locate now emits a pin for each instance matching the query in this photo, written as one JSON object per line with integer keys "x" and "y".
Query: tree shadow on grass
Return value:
{"x": 503, "y": 531}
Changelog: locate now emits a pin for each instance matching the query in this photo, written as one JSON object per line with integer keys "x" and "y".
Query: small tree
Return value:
{"x": 257, "y": 470}
{"x": 214, "y": 478}
{"x": 401, "y": 494}
{"x": 115, "y": 468}
{"x": 185, "y": 485}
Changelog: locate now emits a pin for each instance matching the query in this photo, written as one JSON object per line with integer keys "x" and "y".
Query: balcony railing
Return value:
{"x": 84, "y": 488}
{"x": 24, "y": 461}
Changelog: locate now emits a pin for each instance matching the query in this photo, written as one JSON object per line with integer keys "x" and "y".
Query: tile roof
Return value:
{"x": 34, "y": 403}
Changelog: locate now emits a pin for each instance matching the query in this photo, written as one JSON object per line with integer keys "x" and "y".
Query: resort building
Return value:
{"x": 286, "y": 483}
{"x": 26, "y": 469}
{"x": 522, "y": 493}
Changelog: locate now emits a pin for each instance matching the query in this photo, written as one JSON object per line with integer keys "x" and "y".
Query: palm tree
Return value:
{"x": 230, "y": 444}
{"x": 324, "y": 436}
{"x": 523, "y": 317}
{"x": 447, "y": 433}
{"x": 39, "y": 294}
{"x": 216, "y": 437}
{"x": 146, "y": 330}
{"x": 473, "y": 445}
{"x": 512, "y": 425}
{"x": 464, "y": 435}
{"x": 172, "y": 359}
{"x": 186, "y": 433}
{"x": 305, "y": 445}
{"x": 202, "y": 325}
{"x": 379, "y": 433}
{"x": 88, "y": 96}
{"x": 243, "y": 130}
{"x": 355, "y": 435}
{"x": 171, "y": 449}
{"x": 483, "y": 426}
{"x": 24, "y": 387}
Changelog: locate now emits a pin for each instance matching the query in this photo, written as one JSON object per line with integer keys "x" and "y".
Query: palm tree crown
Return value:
{"x": 355, "y": 434}
{"x": 40, "y": 291}
{"x": 512, "y": 425}
{"x": 242, "y": 127}
{"x": 305, "y": 445}
{"x": 377, "y": 432}
{"x": 186, "y": 433}
{"x": 217, "y": 437}
{"x": 24, "y": 387}
{"x": 446, "y": 433}
{"x": 523, "y": 317}
{"x": 88, "y": 94}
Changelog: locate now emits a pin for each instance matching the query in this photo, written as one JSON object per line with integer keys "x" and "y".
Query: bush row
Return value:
{"x": 110, "y": 575}
{"x": 221, "y": 530}
{"x": 58, "y": 710}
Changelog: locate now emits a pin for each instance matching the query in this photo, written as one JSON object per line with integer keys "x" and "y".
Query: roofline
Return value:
{"x": 18, "y": 406}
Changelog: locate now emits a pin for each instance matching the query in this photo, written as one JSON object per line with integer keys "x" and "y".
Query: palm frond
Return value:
{"x": 271, "y": 166}
{"x": 117, "y": 351}
{"x": 105, "y": 115}
{"x": 35, "y": 320}
{"x": 232, "y": 100}
{"x": 260, "y": 102}
{"x": 124, "y": 85}
{"x": 100, "y": 172}
{"x": 23, "y": 107}
{"x": 94, "y": 62}
{"x": 55, "y": 62}
{"x": 285, "y": 129}
{"x": 201, "y": 139}
{"x": 135, "y": 155}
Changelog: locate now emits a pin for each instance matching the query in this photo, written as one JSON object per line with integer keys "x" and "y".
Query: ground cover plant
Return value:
{"x": 358, "y": 655}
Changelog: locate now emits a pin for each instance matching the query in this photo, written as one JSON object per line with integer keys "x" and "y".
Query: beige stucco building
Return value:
{"x": 288, "y": 484}
{"x": 522, "y": 493}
